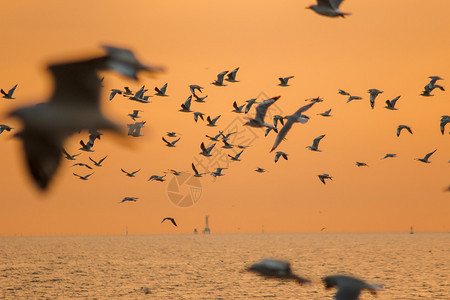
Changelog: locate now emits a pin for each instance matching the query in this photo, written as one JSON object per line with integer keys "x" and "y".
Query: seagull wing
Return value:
{"x": 317, "y": 140}
{"x": 165, "y": 141}
{"x": 173, "y": 222}
{"x": 429, "y": 154}
{"x": 262, "y": 108}
{"x": 195, "y": 170}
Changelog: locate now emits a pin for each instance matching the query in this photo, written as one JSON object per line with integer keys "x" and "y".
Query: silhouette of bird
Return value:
{"x": 425, "y": 159}
{"x": 260, "y": 170}
{"x": 186, "y": 106}
{"x": 328, "y": 8}
{"x": 134, "y": 115}
{"x": 236, "y": 157}
{"x": 238, "y": 109}
{"x": 284, "y": 80}
{"x": 87, "y": 147}
{"x": 171, "y": 220}
{"x": 216, "y": 137}
{"x": 324, "y": 176}
{"x": 68, "y": 156}
{"x": 170, "y": 144}
{"x": 373, "y": 95}
{"x": 196, "y": 173}
{"x": 226, "y": 145}
{"x": 351, "y": 98}
{"x": 9, "y": 94}
{"x": 272, "y": 268}
{"x": 249, "y": 104}
{"x": 194, "y": 87}
{"x": 129, "y": 199}
{"x": 231, "y": 77}
{"x": 171, "y": 134}
{"x": 218, "y": 172}
{"x": 349, "y": 288}
{"x": 212, "y": 122}
{"x": 157, "y": 178}
{"x": 315, "y": 145}
{"x": 219, "y": 80}
{"x": 4, "y": 127}
{"x": 361, "y": 164}
{"x": 113, "y": 93}
{"x": 132, "y": 174}
{"x": 83, "y": 177}
{"x": 139, "y": 95}
{"x": 390, "y": 104}
{"x": 200, "y": 99}
{"x": 174, "y": 172}
{"x": 401, "y": 127}
{"x": 326, "y": 113}
{"x": 206, "y": 151}
{"x": 82, "y": 165}
{"x": 342, "y": 92}
{"x": 444, "y": 121}
{"x": 282, "y": 154}
{"x": 388, "y": 155}
{"x": 99, "y": 163}
{"x": 226, "y": 137}
{"x": 127, "y": 92}
{"x": 198, "y": 115}
{"x": 162, "y": 91}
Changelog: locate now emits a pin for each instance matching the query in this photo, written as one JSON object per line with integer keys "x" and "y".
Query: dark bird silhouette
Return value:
{"x": 171, "y": 220}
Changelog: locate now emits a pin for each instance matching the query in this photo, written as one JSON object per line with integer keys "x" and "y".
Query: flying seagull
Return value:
{"x": 401, "y": 127}
{"x": 390, "y": 104}
{"x": 197, "y": 174}
{"x": 238, "y": 109}
{"x": 349, "y": 288}
{"x": 284, "y": 80}
{"x": 83, "y": 177}
{"x": 68, "y": 156}
{"x": 216, "y": 137}
{"x": 212, "y": 122}
{"x": 326, "y": 113}
{"x": 162, "y": 91}
{"x": 342, "y": 92}
{"x": 444, "y": 121}
{"x": 236, "y": 157}
{"x": 373, "y": 95}
{"x": 200, "y": 99}
{"x": 134, "y": 115}
{"x": 351, "y": 98}
{"x": 324, "y": 176}
{"x": 113, "y": 93}
{"x": 219, "y": 80}
{"x": 260, "y": 170}
{"x": 4, "y": 127}
{"x": 171, "y": 220}
{"x": 272, "y": 268}
{"x": 206, "y": 151}
{"x": 328, "y": 8}
{"x": 99, "y": 163}
{"x": 249, "y": 104}
{"x": 197, "y": 115}
{"x": 388, "y": 155}
{"x": 218, "y": 172}
{"x": 157, "y": 178}
{"x": 194, "y": 87}
{"x": 132, "y": 174}
{"x": 186, "y": 106}
{"x": 130, "y": 199}
{"x": 231, "y": 77}
{"x": 361, "y": 164}
{"x": 170, "y": 144}
{"x": 261, "y": 111}
{"x": 425, "y": 159}
{"x": 315, "y": 145}
{"x": 282, "y": 154}
{"x": 9, "y": 94}
{"x": 82, "y": 165}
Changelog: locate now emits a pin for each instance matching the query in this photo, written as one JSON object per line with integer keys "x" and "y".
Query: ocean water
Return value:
{"x": 213, "y": 266}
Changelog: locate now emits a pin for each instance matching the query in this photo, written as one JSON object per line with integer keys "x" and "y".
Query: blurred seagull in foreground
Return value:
{"x": 171, "y": 220}
{"x": 280, "y": 154}
{"x": 349, "y": 288}
{"x": 261, "y": 111}
{"x": 425, "y": 159}
{"x": 9, "y": 94}
{"x": 83, "y": 177}
{"x": 284, "y": 80}
{"x": 401, "y": 127}
{"x": 297, "y": 117}
{"x": 219, "y": 80}
{"x": 329, "y": 8}
{"x": 276, "y": 269}
{"x": 130, "y": 199}
{"x": 324, "y": 176}
{"x": 373, "y": 95}
{"x": 315, "y": 145}
{"x": 162, "y": 91}
{"x": 231, "y": 77}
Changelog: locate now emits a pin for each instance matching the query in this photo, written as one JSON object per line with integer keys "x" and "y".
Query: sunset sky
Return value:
{"x": 392, "y": 46}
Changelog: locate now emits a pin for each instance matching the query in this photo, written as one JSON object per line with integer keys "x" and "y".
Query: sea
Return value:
{"x": 408, "y": 266}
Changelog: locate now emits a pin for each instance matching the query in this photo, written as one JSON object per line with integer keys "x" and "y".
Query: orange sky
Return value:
{"x": 389, "y": 45}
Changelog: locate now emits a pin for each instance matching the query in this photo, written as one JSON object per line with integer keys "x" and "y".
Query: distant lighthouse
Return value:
{"x": 207, "y": 230}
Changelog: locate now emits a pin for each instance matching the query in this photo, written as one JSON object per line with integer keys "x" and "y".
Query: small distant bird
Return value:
{"x": 162, "y": 91}
{"x": 390, "y": 104}
{"x": 226, "y": 137}
{"x": 261, "y": 111}
{"x": 186, "y": 106}
{"x": 431, "y": 86}
{"x": 401, "y": 127}
{"x": 197, "y": 115}
{"x": 349, "y": 288}
{"x": 4, "y": 127}
{"x": 113, "y": 93}
{"x": 87, "y": 147}
{"x": 134, "y": 115}
{"x": 10, "y": 93}
{"x": 249, "y": 104}
{"x": 212, "y": 122}
{"x": 132, "y": 174}
{"x": 219, "y": 80}
{"x": 373, "y": 95}
{"x": 276, "y": 119}
{"x": 284, "y": 80}
{"x": 84, "y": 177}
{"x": 276, "y": 269}
{"x": 351, "y": 98}
{"x": 342, "y": 92}
{"x": 206, "y": 151}
{"x": 236, "y": 157}
{"x": 171, "y": 134}
{"x": 297, "y": 117}
{"x": 317, "y": 99}
{"x": 238, "y": 109}
{"x": 218, "y": 172}
{"x": 127, "y": 92}
{"x": 216, "y": 137}
{"x": 231, "y": 77}
{"x": 315, "y": 145}
{"x": 389, "y": 155}
{"x": 326, "y": 113}
{"x": 171, "y": 220}
{"x": 328, "y": 8}
{"x": 157, "y": 178}
{"x": 174, "y": 172}
{"x": 425, "y": 159}
{"x": 226, "y": 145}
{"x": 361, "y": 164}
{"x": 194, "y": 87}
{"x": 130, "y": 199}
{"x": 200, "y": 99}
{"x": 282, "y": 154}
{"x": 139, "y": 95}
{"x": 99, "y": 163}
{"x": 197, "y": 174}
{"x": 170, "y": 144}
{"x": 324, "y": 176}
{"x": 444, "y": 121}
{"x": 82, "y": 165}
{"x": 260, "y": 170}
{"x": 68, "y": 156}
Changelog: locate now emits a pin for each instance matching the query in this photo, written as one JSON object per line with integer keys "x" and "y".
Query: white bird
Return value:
{"x": 280, "y": 154}
{"x": 261, "y": 111}
{"x": 68, "y": 156}
{"x": 237, "y": 109}
{"x": 373, "y": 95}
{"x": 84, "y": 177}
{"x": 388, "y": 155}
{"x": 326, "y": 113}
{"x": 329, "y": 8}
{"x": 157, "y": 178}
{"x": 444, "y": 121}
{"x": 324, "y": 176}
{"x": 134, "y": 115}
{"x": 218, "y": 172}
{"x": 390, "y": 104}
{"x": 284, "y": 80}
{"x": 162, "y": 91}
{"x": 361, "y": 164}
{"x": 315, "y": 145}
{"x": 113, "y": 93}
{"x": 197, "y": 174}
{"x": 401, "y": 127}
{"x": 9, "y": 94}
{"x": 296, "y": 117}
{"x": 219, "y": 80}
{"x": 231, "y": 77}
{"x": 276, "y": 269}
{"x": 186, "y": 106}
{"x": 130, "y": 174}
{"x": 130, "y": 199}
{"x": 171, "y": 220}
{"x": 425, "y": 159}
{"x": 170, "y": 144}
{"x": 206, "y": 151}
{"x": 99, "y": 163}
{"x": 349, "y": 288}
{"x": 212, "y": 122}
{"x": 236, "y": 157}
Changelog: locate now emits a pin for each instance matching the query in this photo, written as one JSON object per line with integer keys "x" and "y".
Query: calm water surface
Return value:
{"x": 211, "y": 266}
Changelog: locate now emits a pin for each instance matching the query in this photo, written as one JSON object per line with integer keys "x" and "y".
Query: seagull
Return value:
{"x": 87, "y": 147}
{"x": 176, "y": 173}
{"x": 236, "y": 157}
{"x": 68, "y": 156}
{"x": 389, "y": 155}
{"x": 351, "y": 98}
{"x": 260, "y": 170}
{"x": 171, "y": 134}
{"x": 194, "y": 87}
{"x": 231, "y": 77}
{"x": 329, "y": 8}
{"x": 82, "y": 165}
{"x": 84, "y": 177}
{"x": 10, "y": 93}
{"x": 186, "y": 106}
{"x": 139, "y": 95}
{"x": 132, "y": 174}
{"x": 261, "y": 111}
{"x": 276, "y": 269}
{"x": 317, "y": 99}
{"x": 373, "y": 94}
{"x": 197, "y": 174}
{"x": 280, "y": 153}
{"x": 131, "y": 199}
{"x": 99, "y": 163}
{"x": 401, "y": 127}
{"x": 212, "y": 122}
{"x": 113, "y": 93}
{"x": 349, "y": 288}
{"x": 324, "y": 176}
{"x": 425, "y": 159}
{"x": 431, "y": 86}
{"x": 200, "y": 99}
{"x": 390, "y": 104}
{"x": 226, "y": 145}
{"x": 237, "y": 109}
{"x": 162, "y": 91}
{"x": 218, "y": 172}
{"x": 227, "y": 136}
{"x": 4, "y": 127}
{"x": 342, "y": 92}
{"x": 171, "y": 220}
{"x": 216, "y": 137}
{"x": 135, "y": 129}
{"x": 296, "y": 117}
{"x": 284, "y": 80}
{"x": 444, "y": 121}
{"x": 249, "y": 104}
{"x": 326, "y": 113}
{"x": 361, "y": 164}
{"x": 206, "y": 151}
{"x": 157, "y": 178}
{"x": 127, "y": 92}
{"x": 219, "y": 80}
{"x": 170, "y": 144}
{"x": 315, "y": 145}
{"x": 197, "y": 115}
{"x": 134, "y": 115}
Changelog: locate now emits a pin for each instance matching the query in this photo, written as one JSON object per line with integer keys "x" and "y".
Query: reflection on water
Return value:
{"x": 211, "y": 267}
